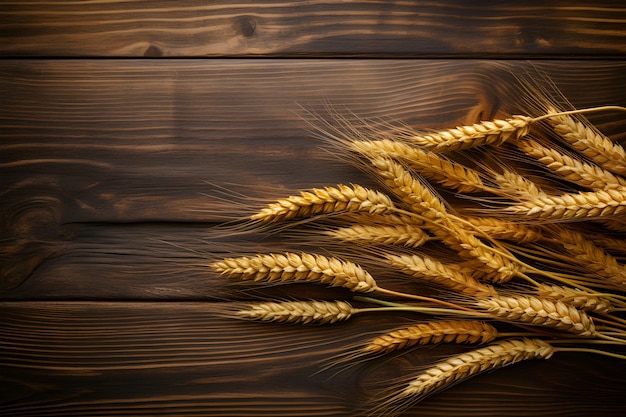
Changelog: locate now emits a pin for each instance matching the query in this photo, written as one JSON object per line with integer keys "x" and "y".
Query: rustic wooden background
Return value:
{"x": 122, "y": 123}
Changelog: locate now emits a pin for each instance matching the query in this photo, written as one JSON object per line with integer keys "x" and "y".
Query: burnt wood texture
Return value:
{"x": 319, "y": 28}
{"x": 129, "y": 131}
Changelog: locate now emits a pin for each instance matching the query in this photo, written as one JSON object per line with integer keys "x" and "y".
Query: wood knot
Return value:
{"x": 31, "y": 228}
{"x": 245, "y": 25}
{"x": 153, "y": 51}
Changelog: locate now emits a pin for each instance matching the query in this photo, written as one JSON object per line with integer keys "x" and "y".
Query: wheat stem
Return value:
{"x": 424, "y": 310}
{"x": 579, "y": 111}
{"x": 589, "y": 350}
{"x": 422, "y": 298}
{"x": 615, "y": 339}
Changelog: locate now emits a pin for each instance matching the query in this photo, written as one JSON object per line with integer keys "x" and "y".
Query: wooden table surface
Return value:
{"x": 128, "y": 132}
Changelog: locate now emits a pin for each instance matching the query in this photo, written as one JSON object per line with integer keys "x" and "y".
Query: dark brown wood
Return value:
{"x": 387, "y": 28}
{"x": 125, "y": 358}
{"x": 88, "y": 147}
{"x": 115, "y": 175}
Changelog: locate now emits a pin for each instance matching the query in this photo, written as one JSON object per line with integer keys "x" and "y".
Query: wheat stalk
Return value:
{"x": 584, "y": 205}
{"x": 615, "y": 224}
{"x": 429, "y": 269}
{"x": 406, "y": 163}
{"x": 494, "y": 132}
{"x": 304, "y": 312}
{"x": 574, "y": 297}
{"x": 326, "y": 200}
{"x": 590, "y": 143}
{"x": 382, "y": 219}
{"x": 462, "y": 367}
{"x": 539, "y": 311}
{"x": 505, "y": 230}
{"x": 298, "y": 267}
{"x": 512, "y": 184}
{"x": 591, "y": 257}
{"x": 445, "y": 331}
{"x": 395, "y": 234}
{"x": 428, "y": 164}
{"x": 607, "y": 242}
{"x": 408, "y": 188}
{"x": 574, "y": 170}
{"x": 442, "y": 224}
{"x": 491, "y": 264}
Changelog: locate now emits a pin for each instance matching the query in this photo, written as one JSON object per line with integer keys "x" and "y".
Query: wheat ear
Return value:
{"x": 571, "y": 169}
{"x": 430, "y": 165}
{"x": 409, "y": 188}
{"x": 539, "y": 311}
{"x": 607, "y": 242}
{"x": 585, "y": 205}
{"x": 494, "y": 132}
{"x": 512, "y": 184}
{"x": 575, "y": 297}
{"x": 395, "y": 234}
{"x": 431, "y": 270}
{"x": 489, "y": 265}
{"x": 593, "y": 258}
{"x": 503, "y": 230}
{"x": 462, "y": 367}
{"x": 591, "y": 143}
{"x": 615, "y": 224}
{"x": 384, "y": 219}
{"x": 298, "y": 267}
{"x": 442, "y": 224}
{"x": 321, "y": 312}
{"x": 337, "y": 199}
{"x": 445, "y": 331}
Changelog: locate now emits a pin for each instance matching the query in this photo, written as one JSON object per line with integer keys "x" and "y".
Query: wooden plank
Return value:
{"x": 124, "y": 142}
{"x": 86, "y": 359}
{"x": 116, "y": 135}
{"x": 372, "y": 28}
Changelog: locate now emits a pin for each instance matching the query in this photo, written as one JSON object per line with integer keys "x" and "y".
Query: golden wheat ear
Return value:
{"x": 444, "y": 331}
{"x": 494, "y": 132}
{"x": 328, "y": 200}
{"x": 456, "y": 369}
{"x": 575, "y": 297}
{"x": 435, "y": 167}
{"x": 426, "y": 205}
{"x": 431, "y": 270}
{"x": 590, "y": 142}
{"x": 539, "y": 312}
{"x": 505, "y": 230}
{"x": 292, "y": 267}
{"x": 407, "y": 235}
{"x": 571, "y": 168}
{"x": 572, "y": 206}
{"x": 303, "y": 312}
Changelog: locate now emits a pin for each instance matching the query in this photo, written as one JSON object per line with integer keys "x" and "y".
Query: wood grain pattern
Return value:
{"x": 124, "y": 358}
{"x": 315, "y": 28}
{"x": 112, "y": 178}
{"x": 89, "y": 144}
{"x": 115, "y": 173}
